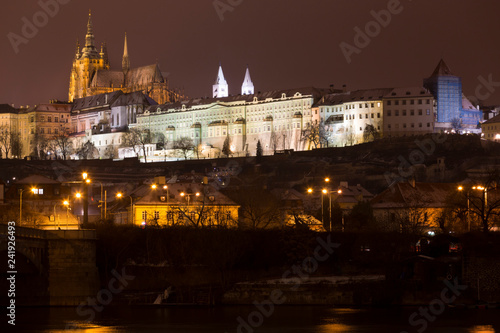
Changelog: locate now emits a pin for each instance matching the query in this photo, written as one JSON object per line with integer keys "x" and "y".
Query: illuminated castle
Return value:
{"x": 91, "y": 74}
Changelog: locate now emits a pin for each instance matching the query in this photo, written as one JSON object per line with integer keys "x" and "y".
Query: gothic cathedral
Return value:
{"x": 90, "y": 74}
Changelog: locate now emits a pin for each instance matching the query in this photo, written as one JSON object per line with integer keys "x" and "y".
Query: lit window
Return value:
{"x": 144, "y": 215}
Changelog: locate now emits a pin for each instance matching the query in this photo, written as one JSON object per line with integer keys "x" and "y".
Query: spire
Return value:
{"x": 220, "y": 88}
{"x": 125, "y": 61}
{"x": 104, "y": 53}
{"x": 89, "y": 38}
{"x": 442, "y": 69}
{"x": 77, "y": 52}
{"x": 247, "y": 87}
{"x": 89, "y": 49}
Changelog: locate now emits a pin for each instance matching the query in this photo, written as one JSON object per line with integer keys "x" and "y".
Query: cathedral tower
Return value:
{"x": 220, "y": 88}
{"x": 247, "y": 87}
{"x": 85, "y": 64}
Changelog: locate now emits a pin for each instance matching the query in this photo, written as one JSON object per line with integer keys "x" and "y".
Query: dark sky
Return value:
{"x": 287, "y": 43}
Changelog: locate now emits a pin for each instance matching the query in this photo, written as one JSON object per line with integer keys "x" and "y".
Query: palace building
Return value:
{"x": 91, "y": 74}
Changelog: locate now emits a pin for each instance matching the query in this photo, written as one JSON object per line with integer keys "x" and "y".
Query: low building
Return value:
{"x": 411, "y": 206}
{"x": 183, "y": 204}
{"x": 491, "y": 129}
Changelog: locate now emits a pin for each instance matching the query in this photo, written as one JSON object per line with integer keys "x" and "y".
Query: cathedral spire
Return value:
{"x": 247, "y": 87}
{"x": 89, "y": 38}
{"x": 104, "y": 53}
{"x": 220, "y": 88}
{"x": 77, "y": 52}
{"x": 125, "y": 61}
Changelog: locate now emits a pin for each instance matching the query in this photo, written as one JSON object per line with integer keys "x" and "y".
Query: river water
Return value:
{"x": 247, "y": 319}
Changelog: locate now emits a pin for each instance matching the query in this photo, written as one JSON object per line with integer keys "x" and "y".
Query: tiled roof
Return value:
{"x": 409, "y": 92}
{"x": 495, "y": 119}
{"x": 53, "y": 107}
{"x": 354, "y": 96}
{"x": 7, "y": 108}
{"x": 316, "y": 93}
{"x": 442, "y": 69}
{"x": 144, "y": 75}
{"x": 96, "y": 101}
{"x": 107, "y": 78}
{"x": 207, "y": 192}
{"x": 404, "y": 195}
{"x": 36, "y": 180}
{"x": 134, "y": 98}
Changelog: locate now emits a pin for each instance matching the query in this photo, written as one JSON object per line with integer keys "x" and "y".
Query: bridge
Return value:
{"x": 54, "y": 267}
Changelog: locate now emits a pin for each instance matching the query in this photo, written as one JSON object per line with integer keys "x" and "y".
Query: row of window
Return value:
{"x": 412, "y": 125}
{"x": 412, "y": 102}
{"x": 404, "y": 113}
{"x": 180, "y": 215}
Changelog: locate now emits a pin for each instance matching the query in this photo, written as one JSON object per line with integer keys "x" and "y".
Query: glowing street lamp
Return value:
{"x": 120, "y": 195}
{"x": 33, "y": 190}
{"x": 66, "y": 203}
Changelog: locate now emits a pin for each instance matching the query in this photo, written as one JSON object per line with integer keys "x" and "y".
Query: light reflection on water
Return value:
{"x": 293, "y": 319}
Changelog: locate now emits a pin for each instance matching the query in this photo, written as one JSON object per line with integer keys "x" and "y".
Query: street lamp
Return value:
{"x": 119, "y": 195}
{"x": 21, "y": 203}
{"x": 85, "y": 183}
{"x": 461, "y": 188}
{"x": 188, "y": 195}
{"x": 66, "y": 203}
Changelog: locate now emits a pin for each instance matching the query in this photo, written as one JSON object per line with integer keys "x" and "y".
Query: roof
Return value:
{"x": 107, "y": 78}
{"x": 36, "y": 180}
{"x": 316, "y": 93}
{"x": 207, "y": 193}
{"x": 101, "y": 101}
{"x": 353, "y": 194}
{"x": 404, "y": 195}
{"x": 409, "y": 92}
{"x": 7, "y": 108}
{"x": 354, "y": 96}
{"x": 144, "y": 75}
{"x": 442, "y": 70}
{"x": 494, "y": 120}
{"x": 134, "y": 98}
{"x": 52, "y": 107}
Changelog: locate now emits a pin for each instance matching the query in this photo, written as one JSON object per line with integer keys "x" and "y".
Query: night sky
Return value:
{"x": 286, "y": 43}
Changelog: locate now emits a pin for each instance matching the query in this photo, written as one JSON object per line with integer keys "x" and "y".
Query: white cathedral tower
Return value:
{"x": 220, "y": 88}
{"x": 247, "y": 87}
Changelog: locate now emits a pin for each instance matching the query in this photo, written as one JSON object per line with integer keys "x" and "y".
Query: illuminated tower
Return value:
{"x": 220, "y": 88}
{"x": 247, "y": 87}
{"x": 125, "y": 60}
{"x": 85, "y": 65}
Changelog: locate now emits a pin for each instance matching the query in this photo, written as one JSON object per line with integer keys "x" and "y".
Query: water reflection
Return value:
{"x": 482, "y": 329}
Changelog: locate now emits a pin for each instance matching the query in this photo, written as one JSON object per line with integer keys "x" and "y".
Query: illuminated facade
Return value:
{"x": 276, "y": 118}
{"x": 184, "y": 204}
{"x": 454, "y": 111}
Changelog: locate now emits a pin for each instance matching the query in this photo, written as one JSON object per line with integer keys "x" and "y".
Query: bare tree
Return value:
{"x": 39, "y": 145}
{"x": 137, "y": 137}
{"x": 185, "y": 145}
{"x": 5, "y": 140}
{"x": 315, "y": 134}
{"x": 87, "y": 151}
{"x": 62, "y": 143}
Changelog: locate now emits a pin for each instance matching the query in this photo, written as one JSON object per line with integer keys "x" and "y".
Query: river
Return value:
{"x": 246, "y": 319}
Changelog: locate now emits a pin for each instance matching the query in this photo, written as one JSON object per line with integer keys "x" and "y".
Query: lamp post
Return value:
{"x": 66, "y": 203}
{"x": 85, "y": 183}
{"x": 119, "y": 196}
{"x": 467, "y": 221}
{"x": 188, "y": 195}
{"x": 21, "y": 203}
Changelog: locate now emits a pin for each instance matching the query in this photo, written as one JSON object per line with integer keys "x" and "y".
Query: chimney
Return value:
{"x": 412, "y": 181}
{"x": 344, "y": 88}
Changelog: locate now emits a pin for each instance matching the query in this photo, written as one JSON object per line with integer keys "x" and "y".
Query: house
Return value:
{"x": 187, "y": 204}
{"x": 411, "y": 206}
